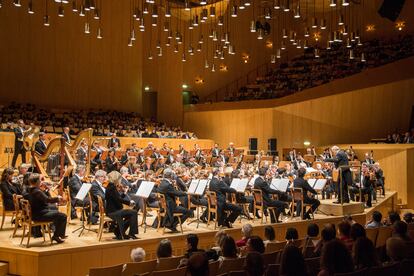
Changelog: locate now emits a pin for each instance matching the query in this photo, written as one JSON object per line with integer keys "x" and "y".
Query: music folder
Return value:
{"x": 193, "y": 186}
{"x": 239, "y": 184}
{"x": 312, "y": 182}
{"x": 280, "y": 184}
{"x": 320, "y": 184}
{"x": 145, "y": 189}
{"x": 253, "y": 179}
{"x": 83, "y": 191}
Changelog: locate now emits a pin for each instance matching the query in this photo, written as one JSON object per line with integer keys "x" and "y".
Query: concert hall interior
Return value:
{"x": 206, "y": 137}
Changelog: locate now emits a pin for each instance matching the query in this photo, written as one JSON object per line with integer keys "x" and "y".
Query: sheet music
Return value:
{"x": 251, "y": 183}
{"x": 145, "y": 189}
{"x": 83, "y": 191}
{"x": 239, "y": 184}
{"x": 320, "y": 184}
{"x": 312, "y": 182}
{"x": 193, "y": 186}
{"x": 280, "y": 184}
{"x": 202, "y": 184}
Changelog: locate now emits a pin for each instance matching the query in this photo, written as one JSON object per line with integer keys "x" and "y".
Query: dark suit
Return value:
{"x": 110, "y": 165}
{"x": 40, "y": 147}
{"x": 167, "y": 189}
{"x": 220, "y": 188}
{"x": 261, "y": 184}
{"x": 299, "y": 182}
{"x": 114, "y": 209}
{"x": 215, "y": 152}
{"x": 8, "y": 190}
{"x": 67, "y": 137}
{"x": 96, "y": 190}
{"x": 18, "y": 146}
{"x": 112, "y": 142}
{"x": 75, "y": 185}
{"x": 341, "y": 159}
{"x": 41, "y": 210}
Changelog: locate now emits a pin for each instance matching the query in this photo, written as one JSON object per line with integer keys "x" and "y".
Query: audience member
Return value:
{"x": 197, "y": 265}
{"x": 357, "y": 231}
{"x": 137, "y": 255}
{"x": 291, "y": 234}
{"x": 254, "y": 264}
{"x": 228, "y": 249}
{"x": 335, "y": 258}
{"x": 364, "y": 254}
{"x": 270, "y": 235}
{"x": 192, "y": 245}
{"x": 255, "y": 244}
{"x": 247, "y": 230}
{"x": 376, "y": 220}
{"x": 344, "y": 229}
{"x": 292, "y": 262}
{"x": 164, "y": 249}
{"x": 400, "y": 245}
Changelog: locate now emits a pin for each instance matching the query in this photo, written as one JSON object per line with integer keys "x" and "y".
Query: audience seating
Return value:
{"x": 131, "y": 269}
{"x": 231, "y": 265}
{"x": 213, "y": 268}
{"x": 271, "y": 258}
{"x": 272, "y": 270}
{"x": 383, "y": 234}
{"x": 313, "y": 265}
{"x": 361, "y": 272}
{"x": 168, "y": 263}
{"x": 172, "y": 272}
{"x": 372, "y": 234}
{"x": 106, "y": 271}
{"x": 386, "y": 270}
{"x": 406, "y": 267}
{"x": 275, "y": 246}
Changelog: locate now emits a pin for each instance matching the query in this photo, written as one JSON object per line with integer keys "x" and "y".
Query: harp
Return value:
{"x": 86, "y": 135}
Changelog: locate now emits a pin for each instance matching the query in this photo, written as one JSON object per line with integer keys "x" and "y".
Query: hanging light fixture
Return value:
{"x": 363, "y": 58}
{"x": 87, "y": 5}
{"x": 359, "y": 43}
{"x": 328, "y": 45}
{"x": 183, "y": 58}
{"x": 133, "y": 38}
{"x": 331, "y": 38}
{"x": 154, "y": 21}
{"x": 201, "y": 39}
{"x": 268, "y": 13}
{"x": 142, "y": 25}
{"x": 298, "y": 44}
{"x": 291, "y": 36}
{"x": 212, "y": 11}
{"x": 154, "y": 11}
{"x": 206, "y": 64}
{"x": 287, "y": 8}
{"x": 278, "y": 53}
{"x": 220, "y": 20}
{"x": 332, "y": 3}
{"x": 87, "y": 29}
{"x": 176, "y": 48}
{"x": 82, "y": 10}
{"x": 260, "y": 34}
{"x": 159, "y": 52}
{"x": 74, "y": 6}
{"x": 242, "y": 6}
{"x": 203, "y": 2}
{"x": 150, "y": 57}
{"x": 97, "y": 14}
{"x": 166, "y": 26}
{"x": 351, "y": 54}
{"x": 284, "y": 33}
{"x": 272, "y": 59}
{"x": 145, "y": 9}
{"x": 215, "y": 36}
{"x": 222, "y": 55}
{"x": 307, "y": 32}
{"x": 276, "y": 4}
{"x": 226, "y": 39}
{"x": 297, "y": 11}
{"x": 195, "y": 21}
{"x": 314, "y": 23}
{"x": 17, "y": 3}
{"x": 46, "y": 21}
{"x": 323, "y": 24}
{"x": 345, "y": 3}
{"x": 92, "y": 5}
{"x": 168, "y": 42}
{"x": 316, "y": 52}
{"x": 341, "y": 20}
{"x": 99, "y": 35}
{"x": 305, "y": 44}
{"x": 168, "y": 11}
{"x": 30, "y": 7}
{"x": 345, "y": 30}
{"x": 198, "y": 47}
{"x": 230, "y": 49}
{"x": 234, "y": 11}
{"x": 348, "y": 43}
{"x": 247, "y": 3}
{"x": 252, "y": 26}
{"x": 213, "y": 68}
{"x": 61, "y": 11}
{"x": 283, "y": 45}
{"x": 187, "y": 5}
{"x": 204, "y": 15}
{"x": 353, "y": 36}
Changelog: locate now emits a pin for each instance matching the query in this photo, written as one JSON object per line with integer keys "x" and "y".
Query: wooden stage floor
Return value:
{"x": 78, "y": 254}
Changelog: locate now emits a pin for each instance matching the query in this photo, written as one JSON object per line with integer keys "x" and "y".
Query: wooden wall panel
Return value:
{"x": 61, "y": 66}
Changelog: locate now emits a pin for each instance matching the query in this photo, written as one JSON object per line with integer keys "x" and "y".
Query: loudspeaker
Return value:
{"x": 253, "y": 146}
{"x": 272, "y": 146}
{"x": 391, "y": 9}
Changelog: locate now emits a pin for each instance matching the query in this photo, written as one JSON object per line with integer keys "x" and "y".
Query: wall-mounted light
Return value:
{"x": 184, "y": 86}
{"x": 306, "y": 143}
{"x": 199, "y": 80}
{"x": 370, "y": 28}
{"x": 269, "y": 44}
{"x": 399, "y": 25}
{"x": 223, "y": 68}
{"x": 245, "y": 58}
{"x": 147, "y": 88}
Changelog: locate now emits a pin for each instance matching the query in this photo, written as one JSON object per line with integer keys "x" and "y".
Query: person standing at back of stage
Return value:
{"x": 19, "y": 134}
{"x": 340, "y": 159}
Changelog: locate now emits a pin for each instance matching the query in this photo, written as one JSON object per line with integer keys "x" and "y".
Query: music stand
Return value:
{"x": 144, "y": 191}
{"x": 197, "y": 188}
{"x": 239, "y": 184}
{"x": 280, "y": 184}
{"x": 82, "y": 193}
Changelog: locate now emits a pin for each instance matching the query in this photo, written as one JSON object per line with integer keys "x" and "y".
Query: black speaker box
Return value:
{"x": 391, "y": 9}
{"x": 253, "y": 146}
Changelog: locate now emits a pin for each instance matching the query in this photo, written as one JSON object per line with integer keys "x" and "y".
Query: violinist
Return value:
{"x": 180, "y": 180}
{"x": 96, "y": 161}
{"x": 300, "y": 182}
{"x": 131, "y": 164}
{"x": 41, "y": 210}
{"x": 166, "y": 187}
{"x": 115, "y": 196}
{"x": 75, "y": 183}
{"x": 231, "y": 148}
{"x": 363, "y": 182}
{"x": 368, "y": 159}
{"x": 182, "y": 151}
{"x": 191, "y": 163}
{"x": 160, "y": 163}
{"x": 8, "y": 189}
{"x": 165, "y": 147}
{"x": 97, "y": 188}
{"x": 379, "y": 177}
{"x": 111, "y": 162}
{"x": 170, "y": 157}
{"x": 156, "y": 154}
{"x": 140, "y": 157}
{"x": 148, "y": 165}
{"x": 215, "y": 151}
{"x": 131, "y": 187}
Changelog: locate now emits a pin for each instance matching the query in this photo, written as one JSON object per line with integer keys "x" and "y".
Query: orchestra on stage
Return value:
{"x": 100, "y": 177}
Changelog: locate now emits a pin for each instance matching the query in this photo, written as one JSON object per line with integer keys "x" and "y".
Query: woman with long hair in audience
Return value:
{"x": 328, "y": 233}
{"x": 364, "y": 254}
{"x": 254, "y": 264}
{"x": 270, "y": 236}
{"x": 292, "y": 262}
{"x": 335, "y": 258}
{"x": 228, "y": 249}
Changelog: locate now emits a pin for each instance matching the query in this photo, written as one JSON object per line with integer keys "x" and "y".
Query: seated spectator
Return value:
{"x": 228, "y": 249}
{"x": 291, "y": 234}
{"x": 392, "y": 218}
{"x": 197, "y": 265}
{"x": 344, "y": 229}
{"x": 270, "y": 235}
{"x": 364, "y": 254}
{"x": 164, "y": 249}
{"x": 312, "y": 234}
{"x": 328, "y": 233}
{"x": 376, "y": 220}
{"x": 400, "y": 245}
{"x": 218, "y": 238}
{"x": 254, "y": 264}
{"x": 408, "y": 218}
{"x": 247, "y": 230}
{"x": 357, "y": 231}
{"x": 292, "y": 262}
{"x": 192, "y": 245}
{"x": 335, "y": 258}
{"x": 255, "y": 244}
{"x": 137, "y": 255}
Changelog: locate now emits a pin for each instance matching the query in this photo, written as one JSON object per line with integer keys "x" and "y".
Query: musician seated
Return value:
{"x": 165, "y": 147}
{"x": 299, "y": 182}
{"x": 9, "y": 188}
{"x": 131, "y": 188}
{"x": 166, "y": 187}
{"x": 215, "y": 151}
{"x": 66, "y": 135}
{"x": 75, "y": 183}
{"x": 97, "y": 189}
{"x": 125, "y": 218}
{"x": 82, "y": 153}
{"x": 379, "y": 176}
{"x": 220, "y": 188}
{"x": 111, "y": 162}
{"x": 41, "y": 210}
{"x": 362, "y": 181}
{"x": 114, "y": 141}
{"x": 96, "y": 161}
{"x": 148, "y": 165}
{"x": 170, "y": 157}
{"x": 260, "y": 183}
{"x": 40, "y": 146}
